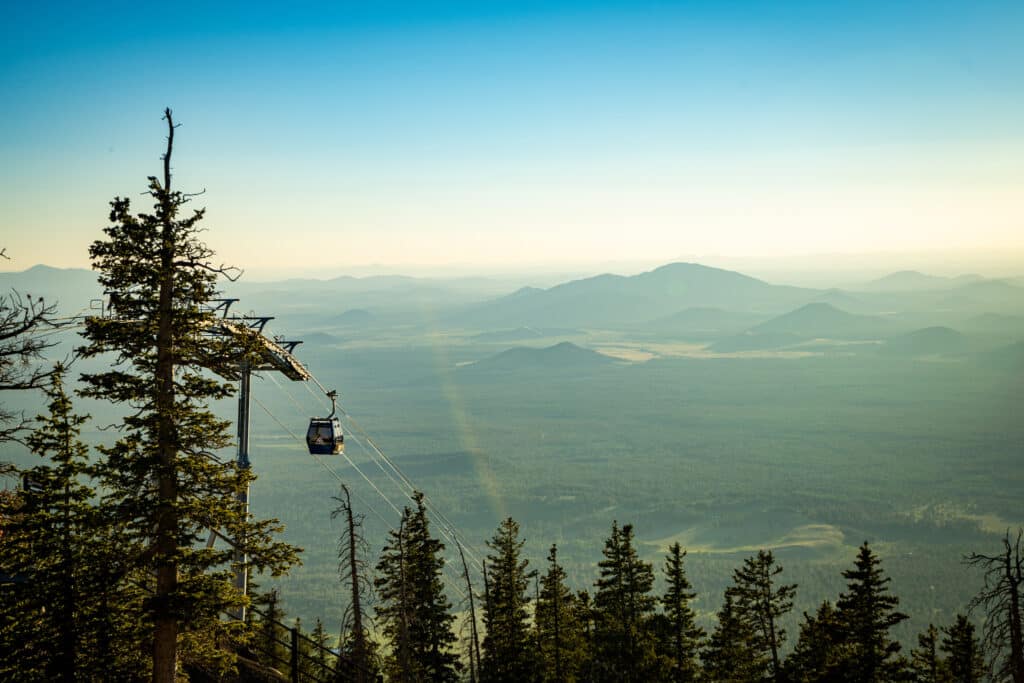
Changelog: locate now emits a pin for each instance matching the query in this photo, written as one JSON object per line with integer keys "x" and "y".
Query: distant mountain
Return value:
{"x": 838, "y": 298}
{"x": 353, "y": 316}
{"x": 929, "y": 341}
{"x": 704, "y": 320}
{"x": 525, "y": 291}
{"x": 563, "y": 356}
{"x": 997, "y": 296}
{"x": 321, "y": 339}
{"x": 611, "y": 300}
{"x": 824, "y": 320}
{"x": 71, "y": 289}
{"x": 915, "y": 281}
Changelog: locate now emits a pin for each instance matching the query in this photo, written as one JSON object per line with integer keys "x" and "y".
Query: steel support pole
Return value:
{"x": 242, "y": 572}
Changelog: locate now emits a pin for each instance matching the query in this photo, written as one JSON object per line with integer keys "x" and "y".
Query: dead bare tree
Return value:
{"x": 24, "y": 322}
{"x": 352, "y": 548}
{"x": 1001, "y": 601}
{"x": 474, "y": 645}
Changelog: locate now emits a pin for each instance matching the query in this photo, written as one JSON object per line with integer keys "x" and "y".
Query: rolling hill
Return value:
{"x": 354, "y": 317}
{"x": 616, "y": 300}
{"x": 563, "y": 356}
{"x": 915, "y": 281}
{"x": 826, "y": 321}
{"x": 71, "y": 289}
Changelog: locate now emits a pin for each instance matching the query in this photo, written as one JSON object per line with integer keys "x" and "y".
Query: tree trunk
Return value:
{"x": 359, "y": 646}
{"x": 165, "y": 633}
{"x": 67, "y": 625}
{"x": 474, "y": 646}
{"x": 1014, "y": 579}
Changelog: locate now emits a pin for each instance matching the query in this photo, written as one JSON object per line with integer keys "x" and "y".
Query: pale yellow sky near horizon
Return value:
{"x": 837, "y": 201}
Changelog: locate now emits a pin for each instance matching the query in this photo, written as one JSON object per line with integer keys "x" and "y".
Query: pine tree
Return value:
{"x": 820, "y": 653}
{"x": 508, "y": 654}
{"x": 868, "y": 611}
{"x": 162, "y": 476}
{"x": 60, "y": 617}
{"x": 586, "y": 616}
{"x": 414, "y": 613}
{"x": 321, "y": 669}
{"x": 964, "y": 660}
{"x": 271, "y": 637}
{"x": 558, "y": 626}
{"x": 730, "y": 654}
{"x": 925, "y": 663}
{"x": 681, "y": 637}
{"x": 624, "y": 640}
{"x": 761, "y": 603}
{"x": 304, "y": 652}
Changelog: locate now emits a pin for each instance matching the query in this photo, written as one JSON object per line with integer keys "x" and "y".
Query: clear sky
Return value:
{"x": 519, "y": 133}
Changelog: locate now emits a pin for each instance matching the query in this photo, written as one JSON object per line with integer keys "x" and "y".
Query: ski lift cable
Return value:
{"x": 406, "y": 487}
{"x": 448, "y": 529}
{"x": 401, "y": 486}
{"x": 452, "y": 531}
{"x": 355, "y": 438}
{"x": 446, "y": 526}
{"x": 323, "y": 463}
{"x": 452, "y": 579}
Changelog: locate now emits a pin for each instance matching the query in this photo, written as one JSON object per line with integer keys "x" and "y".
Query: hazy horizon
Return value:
{"x": 821, "y": 270}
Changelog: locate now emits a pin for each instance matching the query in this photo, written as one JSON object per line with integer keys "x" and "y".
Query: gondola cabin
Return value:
{"x": 325, "y": 437}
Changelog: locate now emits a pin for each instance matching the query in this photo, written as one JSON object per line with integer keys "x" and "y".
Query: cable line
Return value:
{"x": 446, "y": 525}
{"x": 330, "y": 469}
{"x": 453, "y": 580}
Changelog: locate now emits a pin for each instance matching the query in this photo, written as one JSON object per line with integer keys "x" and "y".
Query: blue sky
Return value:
{"x": 521, "y": 133}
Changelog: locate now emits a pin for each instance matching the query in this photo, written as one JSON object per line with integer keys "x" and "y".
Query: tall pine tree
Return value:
{"x": 625, "y": 645}
{"x": 820, "y": 653}
{"x": 964, "y": 661}
{"x": 414, "y": 613}
{"x": 163, "y": 476}
{"x": 680, "y": 636}
{"x": 508, "y": 653}
{"x": 926, "y": 665}
{"x": 558, "y": 626}
{"x": 867, "y": 611}
{"x": 761, "y": 601}
{"x": 730, "y": 654}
